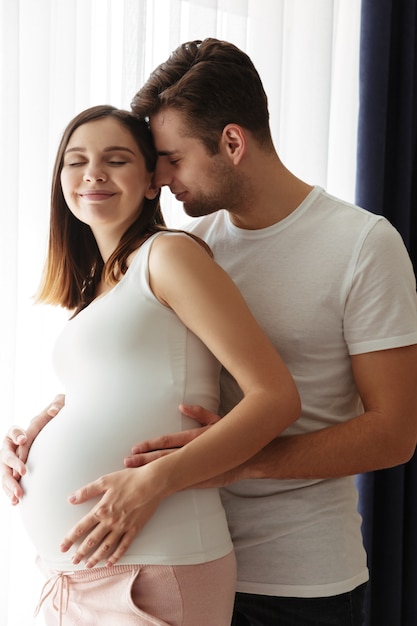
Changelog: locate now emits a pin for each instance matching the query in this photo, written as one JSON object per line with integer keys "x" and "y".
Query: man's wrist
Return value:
{"x": 251, "y": 469}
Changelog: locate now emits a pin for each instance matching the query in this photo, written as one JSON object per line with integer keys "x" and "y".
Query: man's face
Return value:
{"x": 204, "y": 183}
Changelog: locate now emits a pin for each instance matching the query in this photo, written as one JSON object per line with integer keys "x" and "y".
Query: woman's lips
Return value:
{"x": 96, "y": 195}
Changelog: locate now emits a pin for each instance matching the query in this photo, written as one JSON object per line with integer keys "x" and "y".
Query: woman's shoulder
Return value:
{"x": 178, "y": 241}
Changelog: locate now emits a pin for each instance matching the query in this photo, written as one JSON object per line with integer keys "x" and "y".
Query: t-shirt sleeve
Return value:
{"x": 381, "y": 308}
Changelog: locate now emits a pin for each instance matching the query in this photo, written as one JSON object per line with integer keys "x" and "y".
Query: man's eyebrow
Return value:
{"x": 166, "y": 152}
{"x": 108, "y": 149}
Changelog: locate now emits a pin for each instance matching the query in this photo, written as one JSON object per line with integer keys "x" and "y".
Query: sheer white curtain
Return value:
{"x": 60, "y": 56}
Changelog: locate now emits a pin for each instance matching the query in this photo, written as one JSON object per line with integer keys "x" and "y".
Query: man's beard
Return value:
{"x": 227, "y": 191}
{"x": 201, "y": 206}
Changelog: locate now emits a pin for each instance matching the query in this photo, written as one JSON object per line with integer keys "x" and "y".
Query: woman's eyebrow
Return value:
{"x": 108, "y": 149}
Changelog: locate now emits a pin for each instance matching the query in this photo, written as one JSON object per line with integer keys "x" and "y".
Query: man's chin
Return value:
{"x": 198, "y": 211}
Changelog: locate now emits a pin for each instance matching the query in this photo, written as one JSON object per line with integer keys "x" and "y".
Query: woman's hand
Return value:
{"x": 128, "y": 500}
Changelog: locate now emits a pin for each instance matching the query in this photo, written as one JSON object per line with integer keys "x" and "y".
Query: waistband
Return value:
{"x": 59, "y": 584}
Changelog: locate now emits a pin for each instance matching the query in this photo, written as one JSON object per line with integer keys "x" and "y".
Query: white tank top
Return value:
{"x": 126, "y": 363}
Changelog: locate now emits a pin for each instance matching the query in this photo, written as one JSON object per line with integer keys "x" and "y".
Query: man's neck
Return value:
{"x": 276, "y": 197}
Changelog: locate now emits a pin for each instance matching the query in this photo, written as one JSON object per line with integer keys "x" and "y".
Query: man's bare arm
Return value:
{"x": 383, "y": 436}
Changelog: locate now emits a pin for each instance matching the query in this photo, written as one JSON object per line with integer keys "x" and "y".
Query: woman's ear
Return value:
{"x": 233, "y": 140}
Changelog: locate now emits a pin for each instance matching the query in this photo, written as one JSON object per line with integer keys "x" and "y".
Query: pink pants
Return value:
{"x": 142, "y": 595}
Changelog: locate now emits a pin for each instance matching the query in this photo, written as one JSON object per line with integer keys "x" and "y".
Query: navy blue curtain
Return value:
{"x": 387, "y": 184}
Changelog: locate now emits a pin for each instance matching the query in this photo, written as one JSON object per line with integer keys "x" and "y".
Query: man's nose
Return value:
{"x": 161, "y": 175}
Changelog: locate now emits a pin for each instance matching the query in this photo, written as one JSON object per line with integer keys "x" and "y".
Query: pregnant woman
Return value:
{"x": 152, "y": 318}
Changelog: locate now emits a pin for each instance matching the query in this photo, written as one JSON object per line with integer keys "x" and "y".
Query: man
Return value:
{"x": 333, "y": 287}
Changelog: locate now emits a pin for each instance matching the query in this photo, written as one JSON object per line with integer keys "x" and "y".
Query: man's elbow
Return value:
{"x": 402, "y": 450}
{"x": 408, "y": 452}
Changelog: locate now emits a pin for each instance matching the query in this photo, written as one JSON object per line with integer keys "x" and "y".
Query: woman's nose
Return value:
{"x": 94, "y": 174}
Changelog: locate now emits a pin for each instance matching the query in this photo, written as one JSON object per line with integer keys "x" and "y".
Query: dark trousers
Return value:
{"x": 342, "y": 610}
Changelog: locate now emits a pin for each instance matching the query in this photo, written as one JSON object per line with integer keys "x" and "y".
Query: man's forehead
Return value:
{"x": 166, "y": 145}
{"x": 170, "y": 135}
{"x": 166, "y": 118}
{"x": 164, "y": 128}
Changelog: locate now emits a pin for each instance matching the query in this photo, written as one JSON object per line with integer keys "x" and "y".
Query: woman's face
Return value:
{"x": 104, "y": 178}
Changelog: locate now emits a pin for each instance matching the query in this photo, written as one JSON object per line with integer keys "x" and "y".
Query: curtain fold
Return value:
{"x": 387, "y": 184}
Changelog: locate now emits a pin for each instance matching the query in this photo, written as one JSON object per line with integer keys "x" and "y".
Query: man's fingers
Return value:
{"x": 12, "y": 489}
{"x": 199, "y": 413}
{"x": 166, "y": 442}
{"x": 12, "y": 471}
{"x": 10, "y": 460}
{"x": 56, "y": 405}
{"x": 16, "y": 435}
{"x": 137, "y": 460}
{"x": 15, "y": 449}
{"x": 152, "y": 449}
{"x": 12, "y": 465}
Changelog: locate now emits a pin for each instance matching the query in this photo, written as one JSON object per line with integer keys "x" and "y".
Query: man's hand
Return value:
{"x": 153, "y": 449}
{"x": 147, "y": 451}
{"x": 129, "y": 498}
{"x": 11, "y": 466}
{"x": 16, "y": 446}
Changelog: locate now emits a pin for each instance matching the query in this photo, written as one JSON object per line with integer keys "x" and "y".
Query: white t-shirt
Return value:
{"x": 126, "y": 363}
{"x": 329, "y": 281}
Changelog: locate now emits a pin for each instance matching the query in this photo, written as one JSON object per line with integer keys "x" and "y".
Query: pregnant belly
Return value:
{"x": 68, "y": 454}
{"x": 63, "y": 458}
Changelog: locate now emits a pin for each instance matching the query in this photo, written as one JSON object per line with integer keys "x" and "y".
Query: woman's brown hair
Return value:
{"x": 73, "y": 265}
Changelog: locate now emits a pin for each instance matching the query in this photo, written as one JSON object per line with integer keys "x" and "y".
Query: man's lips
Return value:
{"x": 180, "y": 196}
